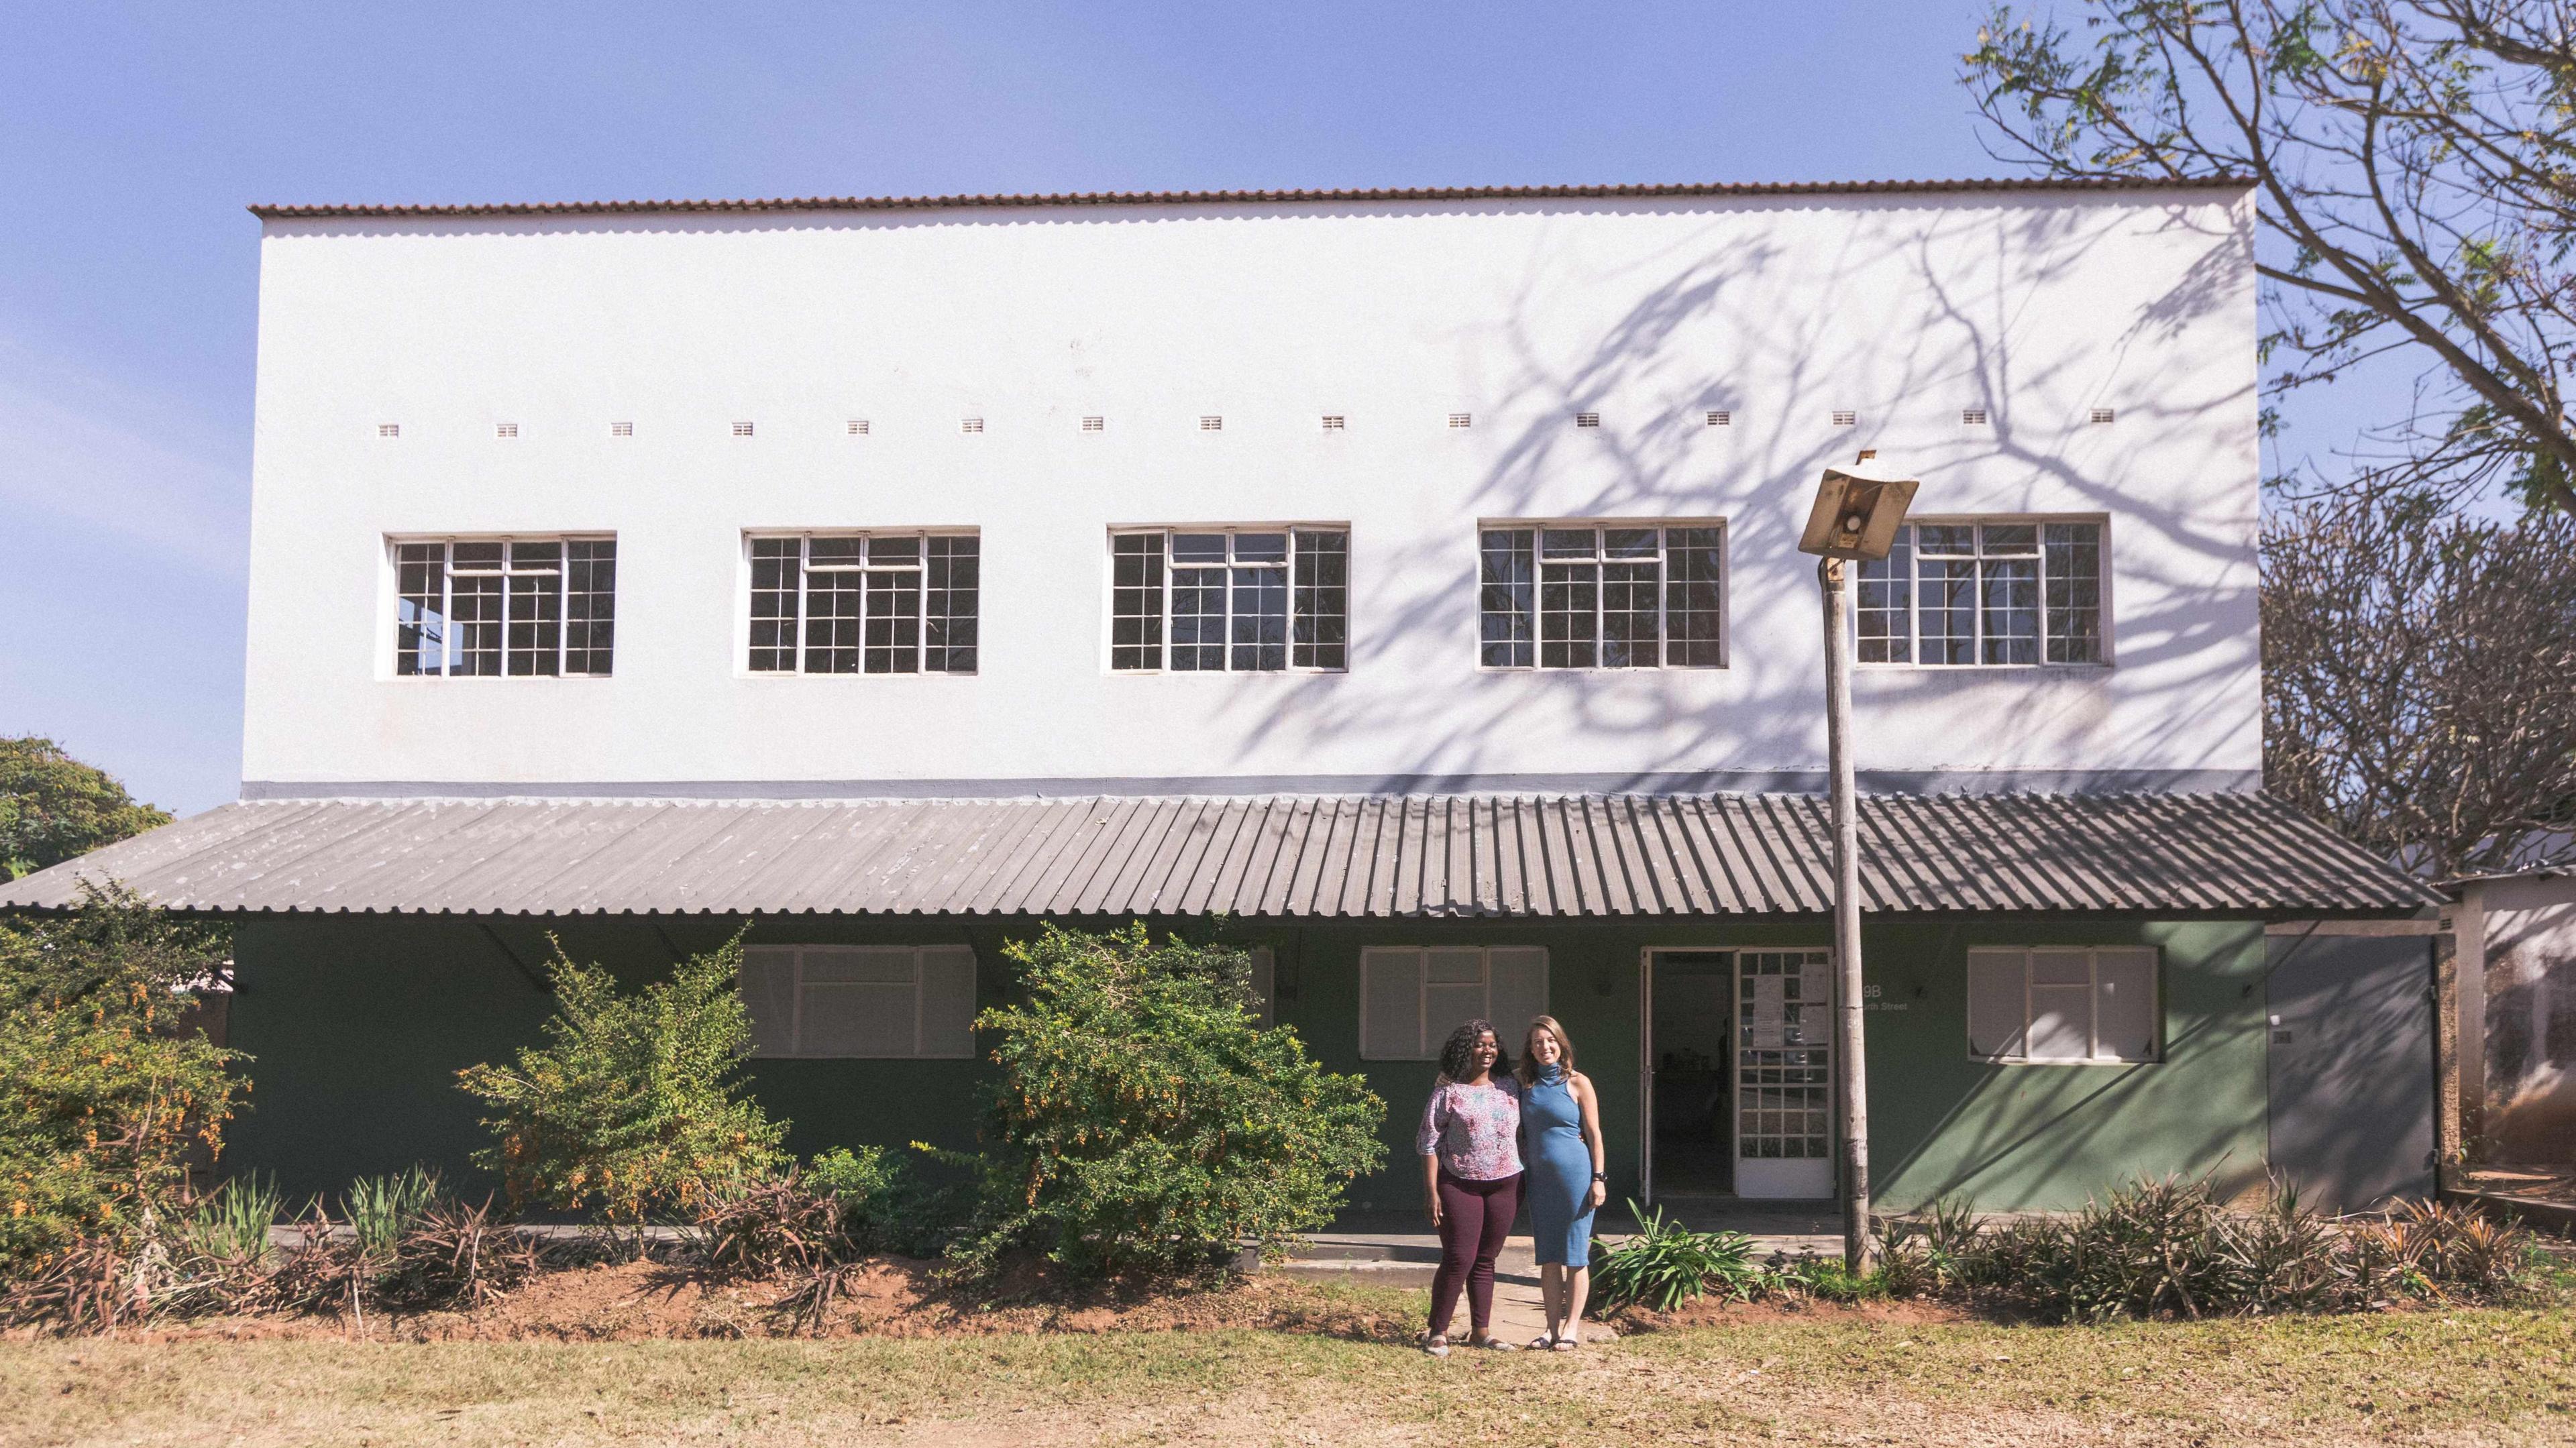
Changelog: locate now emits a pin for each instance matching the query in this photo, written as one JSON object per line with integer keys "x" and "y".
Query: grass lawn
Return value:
{"x": 1830, "y": 1376}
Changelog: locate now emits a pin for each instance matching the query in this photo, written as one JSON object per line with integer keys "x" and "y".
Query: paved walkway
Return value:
{"x": 1400, "y": 1250}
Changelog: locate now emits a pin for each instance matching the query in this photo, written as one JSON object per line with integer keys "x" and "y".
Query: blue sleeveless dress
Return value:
{"x": 1559, "y": 1185}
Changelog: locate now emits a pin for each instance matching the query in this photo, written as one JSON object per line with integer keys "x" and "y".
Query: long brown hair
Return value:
{"x": 1528, "y": 1071}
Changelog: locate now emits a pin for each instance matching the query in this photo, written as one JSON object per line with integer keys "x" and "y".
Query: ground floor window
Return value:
{"x": 2062, "y": 1003}
{"x": 1412, "y": 997}
{"x": 861, "y": 1001}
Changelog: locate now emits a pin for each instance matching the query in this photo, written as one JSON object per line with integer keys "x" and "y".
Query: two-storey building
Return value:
{"x": 1402, "y": 584}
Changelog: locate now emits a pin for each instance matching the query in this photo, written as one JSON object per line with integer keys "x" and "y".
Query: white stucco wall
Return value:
{"x": 1903, "y": 308}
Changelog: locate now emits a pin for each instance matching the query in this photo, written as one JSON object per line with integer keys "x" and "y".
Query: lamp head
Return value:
{"x": 1859, "y": 506}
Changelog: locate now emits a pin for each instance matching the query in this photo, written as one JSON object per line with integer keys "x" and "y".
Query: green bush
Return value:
{"x": 2169, "y": 1249}
{"x": 886, "y": 1207}
{"x": 381, "y": 1208}
{"x": 1144, "y": 1119}
{"x": 232, "y": 1224}
{"x": 635, "y": 1104}
{"x": 1666, "y": 1264}
{"x": 103, "y": 1099}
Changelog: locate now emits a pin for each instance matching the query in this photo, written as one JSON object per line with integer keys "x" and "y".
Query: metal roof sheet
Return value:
{"x": 1363, "y": 195}
{"x": 1379, "y": 856}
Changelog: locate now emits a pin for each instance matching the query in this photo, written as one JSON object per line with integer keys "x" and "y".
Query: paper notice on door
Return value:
{"x": 1767, "y": 1014}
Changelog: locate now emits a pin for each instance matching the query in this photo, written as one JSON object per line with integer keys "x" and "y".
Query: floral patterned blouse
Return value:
{"x": 1474, "y": 1130}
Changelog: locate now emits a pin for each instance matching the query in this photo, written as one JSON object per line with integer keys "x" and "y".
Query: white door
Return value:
{"x": 1784, "y": 1073}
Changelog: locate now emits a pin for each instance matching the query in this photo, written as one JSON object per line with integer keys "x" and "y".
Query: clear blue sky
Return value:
{"x": 131, "y": 137}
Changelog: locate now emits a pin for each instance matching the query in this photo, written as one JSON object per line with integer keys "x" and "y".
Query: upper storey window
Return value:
{"x": 1582, "y": 595}
{"x": 864, "y": 603}
{"x": 476, "y": 608}
{"x": 1241, "y": 599}
{"x": 1998, "y": 592}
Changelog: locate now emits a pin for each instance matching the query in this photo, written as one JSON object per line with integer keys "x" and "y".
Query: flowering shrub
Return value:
{"x": 635, "y": 1103}
{"x": 1144, "y": 1118}
{"x": 103, "y": 1100}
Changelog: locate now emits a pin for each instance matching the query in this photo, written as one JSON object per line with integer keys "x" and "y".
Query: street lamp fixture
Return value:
{"x": 1858, "y": 509}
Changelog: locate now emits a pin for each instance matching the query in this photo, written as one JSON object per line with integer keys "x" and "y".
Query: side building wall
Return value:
{"x": 357, "y": 1026}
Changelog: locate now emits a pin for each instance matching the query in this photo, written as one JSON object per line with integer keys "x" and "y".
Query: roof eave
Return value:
{"x": 272, "y": 211}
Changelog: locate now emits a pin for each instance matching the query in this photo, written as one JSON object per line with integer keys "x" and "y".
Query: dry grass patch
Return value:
{"x": 1827, "y": 1376}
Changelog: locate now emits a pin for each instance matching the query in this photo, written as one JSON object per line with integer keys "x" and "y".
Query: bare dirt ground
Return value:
{"x": 1283, "y": 1362}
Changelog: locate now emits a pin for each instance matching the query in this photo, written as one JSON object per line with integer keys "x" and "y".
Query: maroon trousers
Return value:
{"x": 1475, "y": 1217}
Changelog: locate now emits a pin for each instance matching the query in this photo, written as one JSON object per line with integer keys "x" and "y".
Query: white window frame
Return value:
{"x": 389, "y": 635}
{"x": 2094, "y": 1055}
{"x": 794, "y": 956}
{"x": 1914, "y": 600}
{"x": 1109, "y": 597}
{"x": 1429, "y": 1049}
{"x": 1537, "y": 528}
{"x": 745, "y": 593}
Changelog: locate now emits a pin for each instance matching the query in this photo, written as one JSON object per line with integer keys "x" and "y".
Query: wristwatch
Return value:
{"x": 1600, "y": 1176}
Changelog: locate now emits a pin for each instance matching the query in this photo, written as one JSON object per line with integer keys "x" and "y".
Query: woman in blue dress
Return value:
{"x": 1561, "y": 1152}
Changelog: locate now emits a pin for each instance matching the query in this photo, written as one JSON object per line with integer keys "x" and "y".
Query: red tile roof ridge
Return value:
{"x": 281, "y": 212}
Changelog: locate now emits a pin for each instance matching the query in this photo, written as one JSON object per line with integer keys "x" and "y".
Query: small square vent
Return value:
{"x": 970, "y": 424}
{"x": 505, "y": 429}
{"x": 1462, "y": 419}
{"x": 858, "y": 427}
{"x": 1210, "y": 422}
{"x": 621, "y": 429}
{"x": 389, "y": 429}
{"x": 1587, "y": 419}
{"x": 1972, "y": 417}
{"x": 1332, "y": 422}
{"x": 742, "y": 429}
{"x": 1721, "y": 418}
{"x": 2101, "y": 414}
{"x": 1095, "y": 424}
{"x": 1843, "y": 418}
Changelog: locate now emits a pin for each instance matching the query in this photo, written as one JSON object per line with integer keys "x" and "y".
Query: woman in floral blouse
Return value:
{"x": 1471, "y": 1177}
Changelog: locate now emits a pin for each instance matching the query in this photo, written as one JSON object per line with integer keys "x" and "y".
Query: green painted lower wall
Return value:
{"x": 358, "y": 1026}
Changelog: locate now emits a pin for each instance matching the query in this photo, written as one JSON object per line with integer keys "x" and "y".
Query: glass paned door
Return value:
{"x": 1784, "y": 1033}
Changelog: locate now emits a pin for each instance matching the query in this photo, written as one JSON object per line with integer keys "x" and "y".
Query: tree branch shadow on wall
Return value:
{"x": 2176, "y": 627}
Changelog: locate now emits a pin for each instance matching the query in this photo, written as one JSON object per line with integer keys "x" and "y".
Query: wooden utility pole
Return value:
{"x": 1851, "y": 1067}
{"x": 1858, "y": 510}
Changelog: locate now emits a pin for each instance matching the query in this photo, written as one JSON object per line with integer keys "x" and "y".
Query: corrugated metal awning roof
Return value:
{"x": 1436, "y": 856}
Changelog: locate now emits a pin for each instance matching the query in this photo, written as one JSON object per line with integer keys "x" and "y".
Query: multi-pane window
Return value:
{"x": 1971, "y": 592}
{"x": 2066, "y": 1004}
{"x": 1593, "y": 596}
{"x": 863, "y": 1001}
{"x": 864, "y": 603}
{"x": 1242, "y": 599}
{"x": 1411, "y": 998}
{"x": 468, "y": 608}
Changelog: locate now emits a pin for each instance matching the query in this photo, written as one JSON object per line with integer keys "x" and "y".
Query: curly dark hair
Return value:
{"x": 1457, "y": 1062}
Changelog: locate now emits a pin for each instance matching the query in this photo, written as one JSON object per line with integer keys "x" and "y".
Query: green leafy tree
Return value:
{"x": 53, "y": 807}
{"x": 105, "y": 1094}
{"x": 635, "y": 1103}
{"x": 1145, "y": 1119}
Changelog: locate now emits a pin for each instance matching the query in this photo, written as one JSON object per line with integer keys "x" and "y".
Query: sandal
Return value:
{"x": 1491, "y": 1343}
{"x": 1543, "y": 1342}
{"x": 1565, "y": 1342}
{"x": 1437, "y": 1345}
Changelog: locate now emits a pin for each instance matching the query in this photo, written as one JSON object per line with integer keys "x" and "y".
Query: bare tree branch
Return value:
{"x": 2414, "y": 166}
{"x": 2420, "y": 676}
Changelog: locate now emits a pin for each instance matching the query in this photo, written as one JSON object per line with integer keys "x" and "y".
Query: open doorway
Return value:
{"x": 1690, "y": 1030}
{"x": 1738, "y": 1064}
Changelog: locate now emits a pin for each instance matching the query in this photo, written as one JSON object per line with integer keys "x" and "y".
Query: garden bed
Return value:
{"x": 891, "y": 1297}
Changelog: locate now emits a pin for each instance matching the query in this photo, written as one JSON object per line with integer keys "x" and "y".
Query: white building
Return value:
{"x": 1400, "y": 584}
{"x": 1400, "y": 371}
